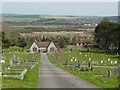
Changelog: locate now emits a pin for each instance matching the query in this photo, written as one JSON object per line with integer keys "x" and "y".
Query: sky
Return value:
{"x": 62, "y": 8}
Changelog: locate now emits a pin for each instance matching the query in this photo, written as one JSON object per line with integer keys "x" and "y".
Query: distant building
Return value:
{"x": 43, "y": 47}
{"x": 83, "y": 42}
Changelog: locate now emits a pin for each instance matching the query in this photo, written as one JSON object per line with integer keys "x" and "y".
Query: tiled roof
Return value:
{"x": 43, "y": 44}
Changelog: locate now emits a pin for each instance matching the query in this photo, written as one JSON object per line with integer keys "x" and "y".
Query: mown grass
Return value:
{"x": 98, "y": 76}
{"x": 31, "y": 77}
{"x": 95, "y": 55}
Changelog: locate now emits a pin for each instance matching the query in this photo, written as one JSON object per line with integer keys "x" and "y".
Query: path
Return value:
{"x": 54, "y": 77}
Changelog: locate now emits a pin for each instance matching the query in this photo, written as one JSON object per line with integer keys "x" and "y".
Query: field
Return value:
{"x": 31, "y": 77}
{"x": 68, "y": 60}
{"x": 54, "y": 34}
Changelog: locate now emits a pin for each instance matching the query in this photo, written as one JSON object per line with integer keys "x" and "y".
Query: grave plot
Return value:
{"x": 16, "y": 65}
{"x": 96, "y": 67}
{"x": 20, "y": 69}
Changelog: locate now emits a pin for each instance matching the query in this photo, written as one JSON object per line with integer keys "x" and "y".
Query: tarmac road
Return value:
{"x": 54, "y": 77}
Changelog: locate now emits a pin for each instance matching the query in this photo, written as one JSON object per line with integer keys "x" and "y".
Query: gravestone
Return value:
{"x": 108, "y": 59}
{"x": 102, "y": 78}
{"x": 73, "y": 57}
{"x": 95, "y": 62}
{"x": 109, "y": 73}
{"x": 115, "y": 62}
{"x": 71, "y": 60}
{"x": 101, "y": 61}
{"x": 81, "y": 64}
{"x": 89, "y": 64}
{"x": 75, "y": 60}
{"x": 111, "y": 62}
{"x": 80, "y": 53}
{"x": 90, "y": 59}
{"x": 66, "y": 62}
{"x": 14, "y": 58}
{"x": 91, "y": 68}
{"x": 11, "y": 62}
{"x": 103, "y": 58}
{"x": 8, "y": 68}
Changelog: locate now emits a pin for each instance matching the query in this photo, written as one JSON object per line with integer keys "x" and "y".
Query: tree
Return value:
{"x": 5, "y": 41}
{"x": 22, "y": 42}
{"x": 43, "y": 39}
{"x": 62, "y": 43}
{"x": 107, "y": 35}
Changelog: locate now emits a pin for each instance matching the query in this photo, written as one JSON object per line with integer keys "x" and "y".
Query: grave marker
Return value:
{"x": 101, "y": 61}
{"x": 91, "y": 68}
{"x": 80, "y": 53}
{"x": 11, "y": 62}
{"x": 75, "y": 60}
{"x": 108, "y": 59}
{"x": 66, "y": 62}
{"x": 71, "y": 60}
{"x": 73, "y": 57}
{"x": 115, "y": 62}
{"x": 89, "y": 64}
{"x": 89, "y": 58}
{"x": 109, "y": 73}
{"x": 111, "y": 62}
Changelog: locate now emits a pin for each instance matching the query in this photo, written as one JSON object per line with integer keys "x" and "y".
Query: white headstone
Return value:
{"x": 108, "y": 59}
{"x": 75, "y": 60}
{"x": 2, "y": 61}
{"x": 89, "y": 58}
{"x": 8, "y": 68}
{"x": 101, "y": 61}
{"x": 115, "y": 62}
{"x": 111, "y": 62}
{"x": 85, "y": 55}
{"x": 79, "y": 52}
{"x": 71, "y": 60}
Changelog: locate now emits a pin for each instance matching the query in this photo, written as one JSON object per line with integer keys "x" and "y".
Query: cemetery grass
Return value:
{"x": 31, "y": 77}
{"x": 95, "y": 76}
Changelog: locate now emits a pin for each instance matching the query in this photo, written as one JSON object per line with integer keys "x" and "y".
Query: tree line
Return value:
{"x": 22, "y": 41}
{"x": 107, "y": 36}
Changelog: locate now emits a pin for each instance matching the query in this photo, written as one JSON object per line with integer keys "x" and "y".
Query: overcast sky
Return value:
{"x": 62, "y": 8}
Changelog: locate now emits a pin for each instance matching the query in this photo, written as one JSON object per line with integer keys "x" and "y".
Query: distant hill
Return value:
{"x": 113, "y": 18}
{"x": 39, "y": 20}
{"x": 19, "y": 16}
